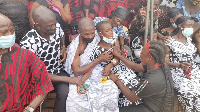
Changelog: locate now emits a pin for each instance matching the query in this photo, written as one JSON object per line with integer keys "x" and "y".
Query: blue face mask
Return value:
{"x": 109, "y": 41}
{"x": 187, "y": 32}
{"x": 7, "y": 41}
{"x": 174, "y": 25}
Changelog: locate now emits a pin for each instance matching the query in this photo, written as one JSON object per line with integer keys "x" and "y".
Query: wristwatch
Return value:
{"x": 30, "y": 109}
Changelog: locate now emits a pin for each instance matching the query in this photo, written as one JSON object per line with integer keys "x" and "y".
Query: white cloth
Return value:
{"x": 101, "y": 97}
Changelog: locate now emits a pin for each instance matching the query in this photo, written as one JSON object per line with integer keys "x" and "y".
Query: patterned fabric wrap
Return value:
{"x": 188, "y": 88}
{"x": 195, "y": 2}
{"x": 181, "y": 5}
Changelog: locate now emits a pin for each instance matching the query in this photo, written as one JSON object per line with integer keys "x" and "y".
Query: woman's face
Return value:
{"x": 106, "y": 31}
{"x": 188, "y": 24}
{"x": 173, "y": 20}
{"x": 144, "y": 56}
{"x": 117, "y": 21}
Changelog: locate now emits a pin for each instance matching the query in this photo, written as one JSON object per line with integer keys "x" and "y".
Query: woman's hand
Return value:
{"x": 185, "y": 65}
{"x": 56, "y": 3}
{"x": 113, "y": 77}
{"x": 105, "y": 57}
{"x": 115, "y": 51}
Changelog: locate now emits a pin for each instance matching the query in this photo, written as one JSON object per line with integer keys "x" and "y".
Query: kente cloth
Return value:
{"x": 23, "y": 77}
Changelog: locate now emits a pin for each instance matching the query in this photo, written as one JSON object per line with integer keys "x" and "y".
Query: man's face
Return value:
{"x": 88, "y": 32}
{"x": 6, "y": 28}
{"x": 47, "y": 27}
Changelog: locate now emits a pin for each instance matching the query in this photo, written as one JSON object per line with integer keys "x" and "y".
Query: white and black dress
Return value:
{"x": 188, "y": 88}
{"x": 127, "y": 76}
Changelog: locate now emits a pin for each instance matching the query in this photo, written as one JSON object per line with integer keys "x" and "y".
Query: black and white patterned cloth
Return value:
{"x": 136, "y": 48}
{"x": 188, "y": 89}
{"x": 47, "y": 50}
{"x": 127, "y": 76}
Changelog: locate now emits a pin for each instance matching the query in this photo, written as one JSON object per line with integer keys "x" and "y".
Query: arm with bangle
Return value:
{"x": 130, "y": 95}
{"x": 35, "y": 103}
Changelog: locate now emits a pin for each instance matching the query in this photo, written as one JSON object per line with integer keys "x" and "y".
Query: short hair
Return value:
{"x": 173, "y": 12}
{"x": 99, "y": 25}
{"x": 42, "y": 13}
{"x": 85, "y": 23}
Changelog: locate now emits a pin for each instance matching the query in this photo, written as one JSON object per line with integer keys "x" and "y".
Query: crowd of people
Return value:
{"x": 94, "y": 55}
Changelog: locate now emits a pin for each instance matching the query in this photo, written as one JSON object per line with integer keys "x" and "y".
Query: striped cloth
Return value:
{"x": 23, "y": 76}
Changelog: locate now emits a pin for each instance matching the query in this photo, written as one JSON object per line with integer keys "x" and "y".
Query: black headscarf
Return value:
{"x": 120, "y": 12}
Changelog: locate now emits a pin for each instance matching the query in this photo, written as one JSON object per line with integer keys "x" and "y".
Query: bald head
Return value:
{"x": 6, "y": 26}
{"x": 4, "y": 20}
{"x": 85, "y": 23}
{"x": 42, "y": 14}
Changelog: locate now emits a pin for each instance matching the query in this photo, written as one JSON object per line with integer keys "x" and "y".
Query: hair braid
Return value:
{"x": 158, "y": 50}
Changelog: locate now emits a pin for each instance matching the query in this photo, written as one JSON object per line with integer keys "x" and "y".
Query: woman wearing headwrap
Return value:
{"x": 116, "y": 19}
{"x": 185, "y": 72}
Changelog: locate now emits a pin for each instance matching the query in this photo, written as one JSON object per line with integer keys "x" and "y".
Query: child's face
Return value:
{"x": 107, "y": 31}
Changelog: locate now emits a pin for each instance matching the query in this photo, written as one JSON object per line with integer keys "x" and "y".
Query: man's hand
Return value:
{"x": 105, "y": 57}
{"x": 185, "y": 65}
{"x": 75, "y": 80}
{"x": 57, "y": 4}
{"x": 63, "y": 54}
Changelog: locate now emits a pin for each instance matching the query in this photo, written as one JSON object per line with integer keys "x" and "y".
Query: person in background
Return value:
{"x": 185, "y": 72}
{"x": 27, "y": 85}
{"x": 138, "y": 43}
{"x": 163, "y": 19}
{"x": 191, "y": 8}
{"x": 59, "y": 7}
{"x": 46, "y": 40}
{"x": 91, "y": 8}
{"x": 173, "y": 14}
{"x": 117, "y": 19}
{"x": 107, "y": 6}
{"x": 157, "y": 95}
{"x": 17, "y": 11}
{"x": 71, "y": 30}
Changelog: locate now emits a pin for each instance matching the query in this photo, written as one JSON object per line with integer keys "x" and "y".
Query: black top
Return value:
{"x": 17, "y": 11}
{"x": 58, "y": 17}
{"x": 156, "y": 90}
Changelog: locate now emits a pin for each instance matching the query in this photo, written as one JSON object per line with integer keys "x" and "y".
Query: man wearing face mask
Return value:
{"x": 78, "y": 63}
{"x": 46, "y": 39}
{"x": 24, "y": 79}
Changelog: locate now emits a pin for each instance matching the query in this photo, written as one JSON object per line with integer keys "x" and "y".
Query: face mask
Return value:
{"x": 187, "y": 32}
{"x": 87, "y": 40}
{"x": 107, "y": 40}
{"x": 51, "y": 31}
{"x": 174, "y": 25}
{"x": 7, "y": 41}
